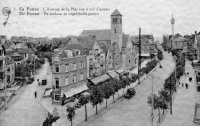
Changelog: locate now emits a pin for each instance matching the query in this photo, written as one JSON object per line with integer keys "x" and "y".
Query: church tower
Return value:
{"x": 116, "y": 28}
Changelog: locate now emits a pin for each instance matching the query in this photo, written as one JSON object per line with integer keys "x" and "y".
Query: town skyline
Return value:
{"x": 152, "y": 16}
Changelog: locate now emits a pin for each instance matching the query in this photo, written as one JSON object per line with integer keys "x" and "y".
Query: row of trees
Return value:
{"x": 163, "y": 98}
{"x": 149, "y": 67}
{"x": 106, "y": 90}
{"x": 24, "y": 70}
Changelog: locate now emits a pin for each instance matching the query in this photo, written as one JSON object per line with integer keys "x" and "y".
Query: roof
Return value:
{"x": 180, "y": 39}
{"x": 113, "y": 74}
{"x": 16, "y": 54}
{"x": 104, "y": 46}
{"x": 125, "y": 38}
{"x": 116, "y": 13}
{"x": 98, "y": 34}
{"x": 71, "y": 47}
{"x": 100, "y": 79}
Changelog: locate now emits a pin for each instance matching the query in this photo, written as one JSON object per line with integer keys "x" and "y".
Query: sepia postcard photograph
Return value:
{"x": 99, "y": 62}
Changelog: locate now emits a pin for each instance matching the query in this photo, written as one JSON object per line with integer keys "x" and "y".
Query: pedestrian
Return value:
{"x": 186, "y": 86}
{"x": 35, "y": 94}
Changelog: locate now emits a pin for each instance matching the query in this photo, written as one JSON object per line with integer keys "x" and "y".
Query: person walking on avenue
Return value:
{"x": 35, "y": 94}
{"x": 186, "y": 85}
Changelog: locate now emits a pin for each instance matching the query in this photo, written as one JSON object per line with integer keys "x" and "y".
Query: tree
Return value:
{"x": 108, "y": 91}
{"x": 160, "y": 55}
{"x": 96, "y": 96}
{"x": 50, "y": 120}
{"x": 83, "y": 100}
{"x": 71, "y": 113}
{"x": 134, "y": 77}
{"x": 157, "y": 103}
{"x": 165, "y": 97}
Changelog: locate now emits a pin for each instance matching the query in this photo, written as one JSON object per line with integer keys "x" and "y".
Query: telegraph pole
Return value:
{"x": 170, "y": 95}
{"x": 152, "y": 97}
{"x": 139, "y": 57}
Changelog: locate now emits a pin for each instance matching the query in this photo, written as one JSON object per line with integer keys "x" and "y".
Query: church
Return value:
{"x": 119, "y": 48}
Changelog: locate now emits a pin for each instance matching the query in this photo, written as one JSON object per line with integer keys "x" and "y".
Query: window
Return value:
{"x": 129, "y": 61}
{"x": 57, "y": 82}
{"x": 56, "y": 68}
{"x": 74, "y": 64}
{"x": 81, "y": 64}
{"x": 120, "y": 21}
{"x": 81, "y": 76}
{"x": 66, "y": 68}
{"x": 114, "y": 20}
{"x": 115, "y": 30}
{"x": 74, "y": 79}
{"x": 77, "y": 52}
{"x": 66, "y": 81}
{"x": 8, "y": 79}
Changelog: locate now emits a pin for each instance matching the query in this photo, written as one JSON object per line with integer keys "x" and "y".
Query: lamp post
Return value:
{"x": 152, "y": 96}
{"x": 139, "y": 56}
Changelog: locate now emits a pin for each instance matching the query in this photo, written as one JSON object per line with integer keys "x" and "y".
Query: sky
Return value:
{"x": 153, "y": 16}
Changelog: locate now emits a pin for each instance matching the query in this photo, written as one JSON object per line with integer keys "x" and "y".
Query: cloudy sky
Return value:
{"x": 153, "y": 16}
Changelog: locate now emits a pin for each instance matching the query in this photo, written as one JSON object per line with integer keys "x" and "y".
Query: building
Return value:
{"x": 10, "y": 70}
{"x": 69, "y": 71}
{"x": 146, "y": 44}
{"x": 197, "y": 46}
{"x": 179, "y": 43}
{"x": 2, "y": 63}
{"x": 114, "y": 42}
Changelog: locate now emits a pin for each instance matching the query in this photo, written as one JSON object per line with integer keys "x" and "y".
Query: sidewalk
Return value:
{"x": 184, "y": 102}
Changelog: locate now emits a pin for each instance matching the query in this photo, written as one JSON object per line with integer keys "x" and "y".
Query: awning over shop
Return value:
{"x": 100, "y": 79}
{"x": 120, "y": 71}
{"x": 145, "y": 54}
{"x": 69, "y": 93}
{"x": 113, "y": 74}
{"x": 80, "y": 89}
{"x": 75, "y": 90}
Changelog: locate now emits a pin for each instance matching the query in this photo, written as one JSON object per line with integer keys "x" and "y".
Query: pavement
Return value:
{"x": 136, "y": 111}
{"x": 184, "y": 102}
{"x": 25, "y": 109}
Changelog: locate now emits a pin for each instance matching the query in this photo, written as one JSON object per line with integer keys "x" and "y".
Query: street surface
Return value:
{"x": 184, "y": 102}
{"x": 136, "y": 111}
{"x": 26, "y": 110}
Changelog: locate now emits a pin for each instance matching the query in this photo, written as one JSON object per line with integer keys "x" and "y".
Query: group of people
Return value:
{"x": 186, "y": 84}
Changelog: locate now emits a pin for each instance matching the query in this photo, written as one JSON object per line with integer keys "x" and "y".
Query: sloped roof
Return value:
{"x": 98, "y": 34}
{"x": 104, "y": 46}
{"x": 180, "y": 39}
{"x": 116, "y": 13}
{"x": 124, "y": 40}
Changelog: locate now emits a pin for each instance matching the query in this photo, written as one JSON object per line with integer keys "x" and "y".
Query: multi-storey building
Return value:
{"x": 2, "y": 62}
{"x": 69, "y": 71}
{"x": 10, "y": 70}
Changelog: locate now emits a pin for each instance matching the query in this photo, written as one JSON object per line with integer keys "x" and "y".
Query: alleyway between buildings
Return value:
{"x": 26, "y": 110}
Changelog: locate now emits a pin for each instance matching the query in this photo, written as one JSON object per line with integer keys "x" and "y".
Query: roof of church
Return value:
{"x": 98, "y": 34}
{"x": 124, "y": 40}
{"x": 116, "y": 13}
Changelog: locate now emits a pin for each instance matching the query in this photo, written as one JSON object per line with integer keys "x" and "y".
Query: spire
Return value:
{"x": 116, "y": 13}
